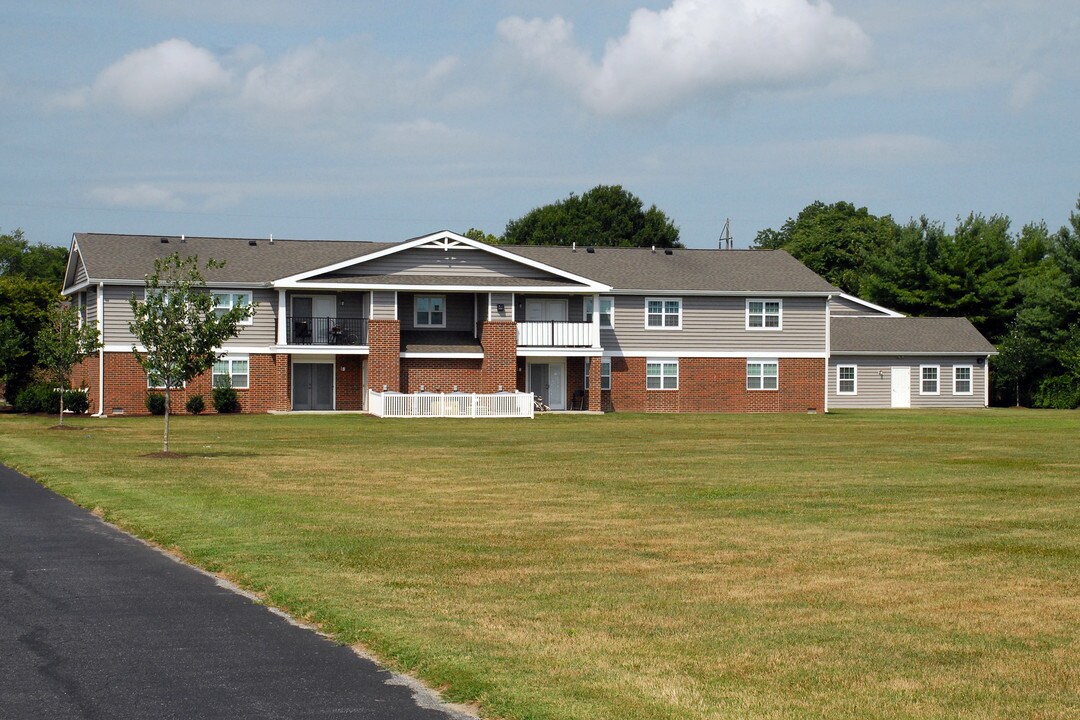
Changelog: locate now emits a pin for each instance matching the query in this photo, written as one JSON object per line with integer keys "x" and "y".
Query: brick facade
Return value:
{"x": 716, "y": 385}
{"x": 499, "y": 366}
{"x": 441, "y": 375}
{"x": 384, "y": 351}
{"x": 349, "y": 383}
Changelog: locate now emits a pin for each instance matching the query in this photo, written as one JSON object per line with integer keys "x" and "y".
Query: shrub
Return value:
{"x": 1061, "y": 392}
{"x": 225, "y": 400}
{"x": 37, "y": 398}
{"x": 77, "y": 401}
{"x": 195, "y": 404}
{"x": 155, "y": 403}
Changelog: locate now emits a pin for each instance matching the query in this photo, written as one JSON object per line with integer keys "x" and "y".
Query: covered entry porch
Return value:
{"x": 323, "y": 382}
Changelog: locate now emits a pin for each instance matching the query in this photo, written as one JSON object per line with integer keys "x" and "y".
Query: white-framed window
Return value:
{"x": 605, "y": 375}
{"x": 928, "y": 380}
{"x": 156, "y": 382}
{"x": 663, "y": 313}
{"x": 847, "y": 382}
{"x": 429, "y": 311}
{"x": 961, "y": 380}
{"x": 607, "y": 311}
{"x": 762, "y": 374}
{"x": 224, "y": 302}
{"x": 764, "y": 314}
{"x": 232, "y": 368}
{"x": 661, "y": 374}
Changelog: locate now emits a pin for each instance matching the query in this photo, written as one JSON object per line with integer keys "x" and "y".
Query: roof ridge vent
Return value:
{"x": 669, "y": 251}
{"x": 253, "y": 243}
{"x": 590, "y": 249}
{"x": 164, "y": 240}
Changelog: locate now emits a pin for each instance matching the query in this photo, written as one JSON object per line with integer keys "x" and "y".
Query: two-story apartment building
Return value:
{"x": 612, "y": 329}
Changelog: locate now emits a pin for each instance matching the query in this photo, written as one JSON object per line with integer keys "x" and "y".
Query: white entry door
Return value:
{"x": 547, "y": 380}
{"x": 539, "y": 309}
{"x": 901, "y": 387}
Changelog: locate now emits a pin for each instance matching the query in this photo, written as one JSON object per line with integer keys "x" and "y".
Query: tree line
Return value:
{"x": 1021, "y": 289}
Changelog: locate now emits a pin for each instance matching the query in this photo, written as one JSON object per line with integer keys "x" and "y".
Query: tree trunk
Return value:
{"x": 1017, "y": 393}
{"x": 166, "y": 445}
{"x": 61, "y": 405}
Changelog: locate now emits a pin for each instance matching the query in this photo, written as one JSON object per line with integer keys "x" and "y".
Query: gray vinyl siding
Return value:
{"x": 457, "y": 262}
{"x": 842, "y": 307}
{"x": 262, "y": 331}
{"x": 80, "y": 270}
{"x": 459, "y": 311}
{"x": 383, "y": 305}
{"x": 501, "y": 298}
{"x": 91, "y": 305}
{"x": 717, "y": 324}
{"x": 874, "y": 381}
{"x": 352, "y": 304}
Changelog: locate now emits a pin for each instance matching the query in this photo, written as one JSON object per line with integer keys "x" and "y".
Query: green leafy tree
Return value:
{"x": 1020, "y": 353}
{"x": 24, "y": 307}
{"x": 12, "y": 348}
{"x": 481, "y": 236}
{"x": 607, "y": 216}
{"x": 35, "y": 262}
{"x": 62, "y": 344}
{"x": 178, "y": 327}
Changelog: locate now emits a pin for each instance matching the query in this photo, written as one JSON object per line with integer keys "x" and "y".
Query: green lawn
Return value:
{"x": 855, "y": 565}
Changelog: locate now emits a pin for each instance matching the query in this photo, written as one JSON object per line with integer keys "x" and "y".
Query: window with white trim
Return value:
{"x": 962, "y": 380}
{"x": 232, "y": 370}
{"x": 157, "y": 382}
{"x": 224, "y": 302}
{"x": 663, "y": 313}
{"x": 607, "y": 311}
{"x": 661, "y": 374}
{"x": 429, "y": 311}
{"x": 764, "y": 314}
{"x": 929, "y": 375}
{"x": 605, "y": 375}
{"x": 762, "y": 374}
{"x": 847, "y": 379}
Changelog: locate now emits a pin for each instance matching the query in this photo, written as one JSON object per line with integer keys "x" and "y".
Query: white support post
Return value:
{"x": 596, "y": 320}
{"x": 282, "y": 319}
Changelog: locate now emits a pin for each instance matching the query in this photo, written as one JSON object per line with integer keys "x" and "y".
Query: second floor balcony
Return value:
{"x": 303, "y": 330}
{"x": 556, "y": 334}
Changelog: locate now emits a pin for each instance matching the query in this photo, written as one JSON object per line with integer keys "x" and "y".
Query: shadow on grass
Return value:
{"x": 199, "y": 455}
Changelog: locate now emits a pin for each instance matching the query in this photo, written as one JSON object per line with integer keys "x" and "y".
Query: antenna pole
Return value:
{"x": 726, "y": 242}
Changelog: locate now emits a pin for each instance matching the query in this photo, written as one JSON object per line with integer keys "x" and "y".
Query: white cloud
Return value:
{"x": 1025, "y": 89}
{"x": 154, "y": 81}
{"x": 302, "y": 79}
{"x": 694, "y": 47}
{"x": 142, "y": 196}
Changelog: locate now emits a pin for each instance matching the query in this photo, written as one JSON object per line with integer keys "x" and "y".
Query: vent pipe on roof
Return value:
{"x": 653, "y": 249}
{"x": 182, "y": 238}
{"x": 164, "y": 240}
{"x": 271, "y": 238}
{"x": 573, "y": 246}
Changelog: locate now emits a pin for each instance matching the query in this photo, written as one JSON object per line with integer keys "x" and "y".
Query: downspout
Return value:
{"x": 986, "y": 383}
{"x": 101, "y": 349}
{"x": 828, "y": 348}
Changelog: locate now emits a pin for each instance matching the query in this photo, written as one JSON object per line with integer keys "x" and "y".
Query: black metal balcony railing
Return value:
{"x": 327, "y": 331}
{"x": 554, "y": 333}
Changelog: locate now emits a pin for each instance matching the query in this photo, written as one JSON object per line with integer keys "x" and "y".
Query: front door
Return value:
{"x": 901, "y": 387}
{"x": 547, "y": 381}
{"x": 313, "y": 386}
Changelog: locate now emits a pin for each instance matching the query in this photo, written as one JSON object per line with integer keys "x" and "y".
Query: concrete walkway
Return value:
{"x": 95, "y": 624}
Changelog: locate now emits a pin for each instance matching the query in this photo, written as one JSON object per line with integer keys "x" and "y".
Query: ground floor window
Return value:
{"x": 929, "y": 385}
{"x": 231, "y": 370}
{"x": 157, "y": 382}
{"x": 605, "y": 374}
{"x": 661, "y": 374}
{"x": 846, "y": 379}
{"x": 762, "y": 374}
{"x": 961, "y": 380}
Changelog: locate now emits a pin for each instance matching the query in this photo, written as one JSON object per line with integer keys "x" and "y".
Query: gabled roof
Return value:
{"x": 131, "y": 257}
{"x": 736, "y": 271}
{"x": 908, "y": 336}
{"x": 875, "y": 310}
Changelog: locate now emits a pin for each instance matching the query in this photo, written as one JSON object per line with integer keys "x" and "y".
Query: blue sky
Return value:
{"x": 382, "y": 121}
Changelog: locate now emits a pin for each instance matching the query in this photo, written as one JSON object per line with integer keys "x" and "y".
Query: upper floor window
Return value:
{"x": 846, "y": 382}
{"x": 764, "y": 314}
{"x": 663, "y": 313}
{"x": 961, "y": 380}
{"x": 929, "y": 384}
{"x": 224, "y": 302}
{"x": 607, "y": 311}
{"x": 430, "y": 311}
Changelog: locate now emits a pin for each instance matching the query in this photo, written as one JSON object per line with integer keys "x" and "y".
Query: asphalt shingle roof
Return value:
{"x": 907, "y": 335}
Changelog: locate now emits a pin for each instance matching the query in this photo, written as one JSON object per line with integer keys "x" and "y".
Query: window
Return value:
{"x": 224, "y": 302}
{"x": 846, "y": 383}
{"x": 764, "y": 315}
{"x": 929, "y": 385}
{"x": 762, "y": 374}
{"x": 607, "y": 311}
{"x": 430, "y": 311}
{"x": 662, "y": 375}
{"x": 961, "y": 379}
{"x": 605, "y": 374}
{"x": 231, "y": 370}
{"x": 156, "y": 382}
{"x": 662, "y": 313}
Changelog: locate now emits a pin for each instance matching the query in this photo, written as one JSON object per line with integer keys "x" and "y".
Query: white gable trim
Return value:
{"x": 443, "y": 240}
{"x": 69, "y": 268}
{"x": 872, "y": 306}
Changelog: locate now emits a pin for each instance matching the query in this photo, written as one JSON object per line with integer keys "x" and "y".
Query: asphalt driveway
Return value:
{"x": 95, "y": 624}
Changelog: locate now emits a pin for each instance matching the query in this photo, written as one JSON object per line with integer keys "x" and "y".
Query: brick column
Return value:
{"x": 384, "y": 355}
{"x": 498, "y": 338}
{"x": 592, "y": 367}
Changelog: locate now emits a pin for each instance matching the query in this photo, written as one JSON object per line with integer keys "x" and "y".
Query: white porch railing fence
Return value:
{"x": 555, "y": 333}
{"x": 451, "y": 405}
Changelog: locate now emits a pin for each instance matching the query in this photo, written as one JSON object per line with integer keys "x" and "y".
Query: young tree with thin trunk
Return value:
{"x": 178, "y": 326}
{"x": 63, "y": 343}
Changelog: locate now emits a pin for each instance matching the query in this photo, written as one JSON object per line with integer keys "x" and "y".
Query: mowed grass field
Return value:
{"x": 854, "y": 565}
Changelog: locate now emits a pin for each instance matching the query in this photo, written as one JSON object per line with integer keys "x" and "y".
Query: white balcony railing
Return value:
{"x": 451, "y": 405}
{"x": 555, "y": 333}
